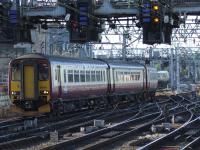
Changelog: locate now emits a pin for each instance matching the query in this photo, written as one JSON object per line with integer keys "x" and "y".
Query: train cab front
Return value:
{"x": 29, "y": 82}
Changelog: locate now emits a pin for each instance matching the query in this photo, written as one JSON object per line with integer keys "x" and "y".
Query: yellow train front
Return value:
{"x": 29, "y": 84}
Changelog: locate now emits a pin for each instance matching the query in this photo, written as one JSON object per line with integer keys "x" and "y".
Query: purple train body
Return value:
{"x": 46, "y": 83}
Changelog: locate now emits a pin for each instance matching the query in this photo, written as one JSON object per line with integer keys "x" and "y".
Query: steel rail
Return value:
{"x": 161, "y": 140}
{"x": 104, "y": 130}
{"x": 69, "y": 125}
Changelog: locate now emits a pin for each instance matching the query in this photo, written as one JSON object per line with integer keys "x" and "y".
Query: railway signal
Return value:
{"x": 156, "y": 13}
{"x": 83, "y": 25}
{"x": 153, "y": 17}
{"x": 151, "y": 20}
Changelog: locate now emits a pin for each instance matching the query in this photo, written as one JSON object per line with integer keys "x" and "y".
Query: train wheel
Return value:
{"x": 145, "y": 96}
{"x": 104, "y": 102}
{"x": 57, "y": 107}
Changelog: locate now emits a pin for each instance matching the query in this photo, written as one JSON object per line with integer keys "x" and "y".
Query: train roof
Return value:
{"x": 32, "y": 55}
{"x": 112, "y": 63}
{"x": 60, "y": 59}
{"x": 127, "y": 64}
{"x": 163, "y": 72}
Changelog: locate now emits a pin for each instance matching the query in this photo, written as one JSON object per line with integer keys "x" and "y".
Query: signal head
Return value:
{"x": 155, "y": 7}
{"x": 156, "y": 20}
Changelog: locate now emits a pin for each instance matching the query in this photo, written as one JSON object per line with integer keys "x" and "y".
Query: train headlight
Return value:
{"x": 44, "y": 92}
{"x": 15, "y": 93}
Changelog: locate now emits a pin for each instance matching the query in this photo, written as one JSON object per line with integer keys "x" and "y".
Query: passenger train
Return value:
{"x": 163, "y": 79}
{"x": 40, "y": 83}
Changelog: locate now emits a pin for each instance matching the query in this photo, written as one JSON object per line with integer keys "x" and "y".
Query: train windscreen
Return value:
{"x": 43, "y": 72}
{"x": 16, "y": 73}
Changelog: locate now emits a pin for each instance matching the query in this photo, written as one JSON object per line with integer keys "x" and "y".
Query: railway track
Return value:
{"x": 38, "y": 137}
{"x": 66, "y": 125}
{"x": 18, "y": 123}
{"x": 110, "y": 134}
{"x": 137, "y": 131}
{"x": 25, "y": 123}
{"x": 182, "y": 138}
{"x": 185, "y": 137}
{"x": 113, "y": 115}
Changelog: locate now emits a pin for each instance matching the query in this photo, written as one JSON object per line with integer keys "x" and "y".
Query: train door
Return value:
{"x": 59, "y": 81}
{"x": 148, "y": 78}
{"x": 113, "y": 78}
{"x": 145, "y": 79}
{"x": 108, "y": 73}
{"x": 29, "y": 81}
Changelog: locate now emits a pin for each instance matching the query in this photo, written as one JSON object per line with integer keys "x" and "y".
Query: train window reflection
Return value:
{"x": 43, "y": 72}
{"x": 76, "y": 76}
{"x": 101, "y": 75}
{"x": 98, "y": 77}
{"x": 93, "y": 76}
{"x": 65, "y": 78}
{"x": 82, "y": 76}
{"x": 87, "y": 76}
{"x": 70, "y": 76}
{"x": 104, "y": 76}
{"x": 16, "y": 74}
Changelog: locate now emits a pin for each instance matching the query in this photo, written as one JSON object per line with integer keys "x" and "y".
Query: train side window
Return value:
{"x": 70, "y": 76}
{"x": 128, "y": 76}
{"x": 44, "y": 72}
{"x": 116, "y": 75}
{"x": 87, "y": 76}
{"x": 98, "y": 78}
{"x": 56, "y": 75}
{"x": 132, "y": 76}
{"x": 93, "y": 76}
{"x": 123, "y": 77}
{"x": 16, "y": 74}
{"x": 104, "y": 76}
{"x": 65, "y": 78}
{"x": 76, "y": 76}
{"x": 82, "y": 76}
{"x": 101, "y": 76}
{"x": 120, "y": 76}
{"x": 137, "y": 77}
